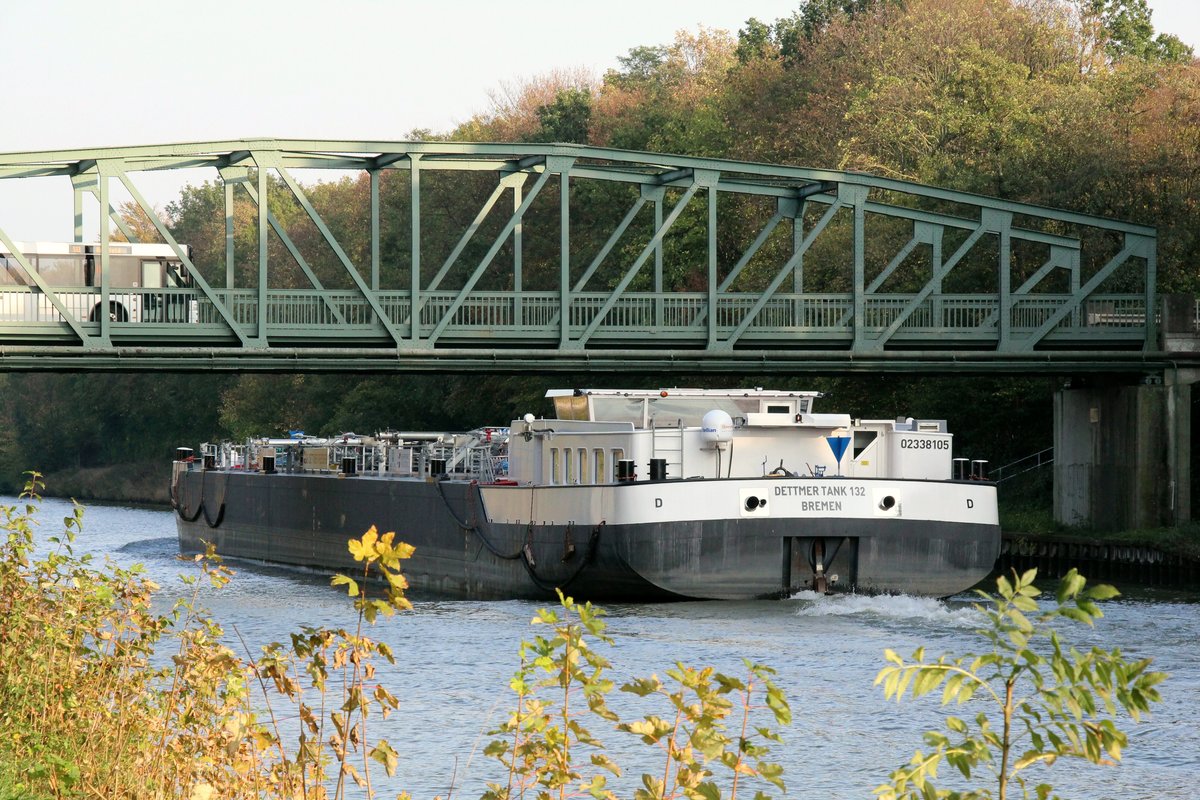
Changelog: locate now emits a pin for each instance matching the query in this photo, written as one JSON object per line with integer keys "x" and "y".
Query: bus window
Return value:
{"x": 152, "y": 275}
{"x": 176, "y": 277}
{"x": 76, "y": 265}
{"x": 61, "y": 270}
{"x": 122, "y": 271}
{"x": 11, "y": 273}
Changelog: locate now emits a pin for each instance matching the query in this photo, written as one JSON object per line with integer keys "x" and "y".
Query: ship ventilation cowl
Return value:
{"x": 716, "y": 428}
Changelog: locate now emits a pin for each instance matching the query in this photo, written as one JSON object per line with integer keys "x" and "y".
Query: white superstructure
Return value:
{"x": 773, "y": 433}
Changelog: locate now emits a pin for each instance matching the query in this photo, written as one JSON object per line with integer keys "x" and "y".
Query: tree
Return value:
{"x": 754, "y": 40}
{"x": 515, "y": 106}
{"x": 640, "y": 65}
{"x": 271, "y": 405}
{"x": 664, "y": 99}
{"x": 1047, "y": 700}
{"x": 1122, "y": 29}
{"x": 566, "y": 118}
{"x": 55, "y": 422}
{"x": 788, "y": 37}
{"x": 138, "y": 222}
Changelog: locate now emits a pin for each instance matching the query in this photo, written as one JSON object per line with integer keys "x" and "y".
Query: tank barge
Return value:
{"x": 622, "y": 496}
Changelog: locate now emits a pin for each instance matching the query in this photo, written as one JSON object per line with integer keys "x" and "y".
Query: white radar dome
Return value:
{"x": 716, "y": 427}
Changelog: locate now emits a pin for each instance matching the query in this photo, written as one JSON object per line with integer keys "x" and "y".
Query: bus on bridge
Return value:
{"x": 147, "y": 283}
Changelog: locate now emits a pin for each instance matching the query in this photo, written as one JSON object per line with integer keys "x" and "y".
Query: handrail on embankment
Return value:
{"x": 1022, "y": 465}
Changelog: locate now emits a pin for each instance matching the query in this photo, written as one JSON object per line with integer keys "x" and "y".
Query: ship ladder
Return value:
{"x": 668, "y": 445}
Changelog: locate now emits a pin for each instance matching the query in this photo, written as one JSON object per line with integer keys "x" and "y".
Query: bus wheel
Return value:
{"x": 116, "y": 313}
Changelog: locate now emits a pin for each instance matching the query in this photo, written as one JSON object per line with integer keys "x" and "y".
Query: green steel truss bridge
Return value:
{"x": 516, "y": 257}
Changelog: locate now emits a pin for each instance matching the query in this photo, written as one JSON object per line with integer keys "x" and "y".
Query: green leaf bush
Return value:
{"x": 1040, "y": 699}
{"x": 102, "y": 696}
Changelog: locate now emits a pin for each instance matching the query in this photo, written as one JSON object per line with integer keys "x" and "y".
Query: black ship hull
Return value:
{"x": 460, "y": 551}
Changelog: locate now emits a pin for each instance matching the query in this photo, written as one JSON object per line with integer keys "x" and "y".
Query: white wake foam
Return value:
{"x": 897, "y": 607}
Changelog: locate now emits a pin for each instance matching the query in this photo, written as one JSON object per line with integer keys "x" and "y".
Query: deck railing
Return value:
{"x": 534, "y": 317}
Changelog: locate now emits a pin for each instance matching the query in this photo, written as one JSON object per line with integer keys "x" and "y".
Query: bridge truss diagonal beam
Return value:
{"x": 270, "y": 160}
{"x": 938, "y": 276}
{"x": 784, "y": 209}
{"x": 1134, "y": 246}
{"x": 180, "y": 253}
{"x": 33, "y": 275}
{"x": 661, "y": 230}
{"x": 780, "y": 276}
{"x": 613, "y": 238}
{"x": 506, "y": 231}
{"x": 234, "y": 176}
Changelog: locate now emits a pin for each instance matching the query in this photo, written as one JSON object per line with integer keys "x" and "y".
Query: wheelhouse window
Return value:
{"x": 777, "y": 405}
{"x": 863, "y": 440}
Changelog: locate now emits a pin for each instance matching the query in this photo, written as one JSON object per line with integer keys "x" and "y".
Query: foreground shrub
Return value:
{"x": 1043, "y": 700}
{"x": 561, "y": 682}
{"x": 102, "y": 697}
{"x": 85, "y": 707}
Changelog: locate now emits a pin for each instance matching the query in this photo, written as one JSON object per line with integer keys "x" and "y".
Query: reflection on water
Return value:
{"x": 454, "y": 659}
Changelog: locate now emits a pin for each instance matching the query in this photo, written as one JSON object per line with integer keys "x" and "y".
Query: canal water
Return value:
{"x": 454, "y": 660}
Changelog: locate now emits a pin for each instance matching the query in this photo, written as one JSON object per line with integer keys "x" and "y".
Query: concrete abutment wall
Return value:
{"x": 1122, "y": 454}
{"x": 1123, "y": 451}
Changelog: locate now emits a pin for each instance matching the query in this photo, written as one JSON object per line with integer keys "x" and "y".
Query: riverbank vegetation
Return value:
{"x": 104, "y": 694}
{"x": 1065, "y": 103}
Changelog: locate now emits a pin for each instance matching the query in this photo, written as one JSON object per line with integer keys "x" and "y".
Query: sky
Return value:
{"x": 136, "y": 72}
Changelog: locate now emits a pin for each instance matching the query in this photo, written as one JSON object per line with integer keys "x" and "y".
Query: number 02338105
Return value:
{"x": 914, "y": 443}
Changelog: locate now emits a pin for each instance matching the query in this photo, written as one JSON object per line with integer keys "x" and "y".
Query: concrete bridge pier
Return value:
{"x": 1123, "y": 452}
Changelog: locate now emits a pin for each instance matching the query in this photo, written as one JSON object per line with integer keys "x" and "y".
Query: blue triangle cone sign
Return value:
{"x": 838, "y": 445}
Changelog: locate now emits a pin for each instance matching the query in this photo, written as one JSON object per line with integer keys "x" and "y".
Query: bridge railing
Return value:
{"x": 335, "y": 315}
{"x": 85, "y": 304}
